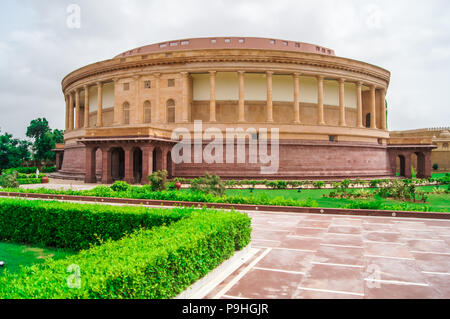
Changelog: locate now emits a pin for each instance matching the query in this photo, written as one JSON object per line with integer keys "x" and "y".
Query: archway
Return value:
{"x": 169, "y": 165}
{"x": 117, "y": 164}
{"x": 400, "y": 165}
{"x": 157, "y": 159}
{"x": 137, "y": 165}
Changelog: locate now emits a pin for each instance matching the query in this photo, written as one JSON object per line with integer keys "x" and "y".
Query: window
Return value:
{"x": 241, "y": 40}
{"x": 213, "y": 40}
{"x": 147, "y": 112}
{"x": 272, "y": 41}
{"x": 185, "y": 42}
{"x": 445, "y": 145}
{"x": 173, "y": 44}
{"x": 170, "y": 111}
{"x": 126, "y": 113}
{"x": 332, "y": 138}
{"x": 285, "y": 43}
{"x": 126, "y": 86}
{"x": 171, "y": 82}
{"x": 368, "y": 120}
{"x": 163, "y": 45}
{"x": 227, "y": 40}
{"x": 147, "y": 85}
{"x": 297, "y": 45}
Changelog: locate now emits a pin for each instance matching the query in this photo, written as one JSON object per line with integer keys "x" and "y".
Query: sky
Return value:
{"x": 38, "y": 47}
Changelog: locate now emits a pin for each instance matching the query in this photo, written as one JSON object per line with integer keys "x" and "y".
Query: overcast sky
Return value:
{"x": 409, "y": 38}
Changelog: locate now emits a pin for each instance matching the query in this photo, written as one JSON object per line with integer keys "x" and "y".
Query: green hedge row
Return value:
{"x": 29, "y": 180}
{"x": 76, "y": 226}
{"x": 152, "y": 264}
{"x": 31, "y": 170}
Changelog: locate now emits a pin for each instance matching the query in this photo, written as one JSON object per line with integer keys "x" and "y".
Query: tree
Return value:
{"x": 44, "y": 139}
{"x": 13, "y": 151}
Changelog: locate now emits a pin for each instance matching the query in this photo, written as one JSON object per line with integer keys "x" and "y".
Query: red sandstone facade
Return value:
{"x": 329, "y": 111}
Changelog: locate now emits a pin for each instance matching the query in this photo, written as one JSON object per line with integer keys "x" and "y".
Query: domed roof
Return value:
{"x": 445, "y": 134}
{"x": 229, "y": 43}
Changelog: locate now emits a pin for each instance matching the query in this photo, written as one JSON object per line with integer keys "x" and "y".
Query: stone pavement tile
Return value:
{"x": 378, "y": 220}
{"x": 288, "y": 260}
{"x": 387, "y": 250}
{"x": 419, "y": 234}
{"x": 395, "y": 291}
{"x": 263, "y": 284}
{"x": 410, "y": 224}
{"x": 310, "y": 294}
{"x": 313, "y": 232}
{"x": 342, "y": 221}
{"x": 437, "y": 246}
{"x": 440, "y": 283}
{"x": 335, "y": 278}
{"x": 433, "y": 262}
{"x": 300, "y": 243}
{"x": 437, "y": 223}
{"x": 381, "y": 237}
{"x": 265, "y": 243}
{"x": 344, "y": 230}
{"x": 264, "y": 234}
{"x": 343, "y": 239}
{"x": 377, "y": 227}
{"x": 340, "y": 255}
{"x": 319, "y": 217}
{"x": 314, "y": 223}
{"x": 403, "y": 270}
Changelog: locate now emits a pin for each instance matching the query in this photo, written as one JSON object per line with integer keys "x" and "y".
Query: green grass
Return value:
{"x": 17, "y": 255}
{"x": 436, "y": 202}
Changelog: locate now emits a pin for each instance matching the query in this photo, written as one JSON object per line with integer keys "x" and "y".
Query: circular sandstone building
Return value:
{"x": 293, "y": 107}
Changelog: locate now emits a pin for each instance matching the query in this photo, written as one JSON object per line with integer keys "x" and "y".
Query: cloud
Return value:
{"x": 37, "y": 49}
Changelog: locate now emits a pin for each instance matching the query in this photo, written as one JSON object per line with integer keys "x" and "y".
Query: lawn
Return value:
{"x": 16, "y": 255}
{"x": 436, "y": 202}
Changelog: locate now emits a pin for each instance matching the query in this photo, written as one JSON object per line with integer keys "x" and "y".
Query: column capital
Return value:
{"x": 341, "y": 80}
{"x": 320, "y": 77}
{"x": 137, "y": 77}
{"x": 296, "y": 74}
{"x": 99, "y": 83}
{"x": 269, "y": 72}
{"x": 157, "y": 75}
{"x": 86, "y": 87}
{"x": 212, "y": 72}
{"x": 359, "y": 83}
{"x": 241, "y": 72}
{"x": 184, "y": 74}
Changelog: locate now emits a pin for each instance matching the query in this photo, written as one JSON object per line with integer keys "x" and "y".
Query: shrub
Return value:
{"x": 29, "y": 180}
{"x": 120, "y": 186}
{"x": 435, "y": 166}
{"x": 208, "y": 185}
{"x": 319, "y": 184}
{"x": 49, "y": 169}
{"x": 151, "y": 264}
{"x": 9, "y": 180}
{"x": 158, "y": 180}
{"x": 75, "y": 226}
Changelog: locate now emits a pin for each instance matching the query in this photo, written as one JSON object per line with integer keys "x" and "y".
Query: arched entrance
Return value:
{"x": 117, "y": 164}
{"x": 169, "y": 165}
{"x": 137, "y": 165}
{"x": 157, "y": 159}
{"x": 400, "y": 165}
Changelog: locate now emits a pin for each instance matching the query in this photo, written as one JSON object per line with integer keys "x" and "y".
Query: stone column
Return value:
{"x": 147, "y": 162}
{"x": 373, "y": 115}
{"x": 296, "y": 98}
{"x": 212, "y": 96}
{"x": 342, "y": 102}
{"x": 77, "y": 108}
{"x": 117, "y": 112}
{"x": 67, "y": 111}
{"x": 90, "y": 165}
{"x": 106, "y": 165}
{"x": 320, "y": 115}
{"x": 383, "y": 109}
{"x": 86, "y": 106}
{"x": 165, "y": 150}
{"x": 408, "y": 173}
{"x": 241, "y": 97}
{"x": 100, "y": 105}
{"x": 269, "y": 116}
{"x": 185, "y": 98}
{"x": 139, "y": 107}
{"x": 359, "y": 115}
{"x": 129, "y": 178}
{"x": 71, "y": 111}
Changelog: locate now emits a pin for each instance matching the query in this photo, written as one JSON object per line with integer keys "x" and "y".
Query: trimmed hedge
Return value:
{"x": 153, "y": 264}
{"x": 29, "y": 180}
{"x": 76, "y": 226}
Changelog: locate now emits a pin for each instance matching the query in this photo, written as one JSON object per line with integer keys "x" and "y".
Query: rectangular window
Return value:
{"x": 285, "y": 43}
{"x": 126, "y": 86}
{"x": 213, "y": 41}
{"x": 185, "y": 42}
{"x": 147, "y": 85}
{"x": 171, "y": 82}
{"x": 173, "y": 44}
{"x": 227, "y": 40}
{"x": 163, "y": 45}
{"x": 332, "y": 138}
{"x": 272, "y": 41}
{"x": 241, "y": 40}
{"x": 297, "y": 45}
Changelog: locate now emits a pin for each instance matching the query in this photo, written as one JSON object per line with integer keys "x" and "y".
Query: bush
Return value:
{"x": 120, "y": 186}
{"x": 435, "y": 166}
{"x": 318, "y": 184}
{"x": 208, "y": 185}
{"x": 151, "y": 264}
{"x": 158, "y": 180}
{"x": 9, "y": 180}
{"x": 29, "y": 180}
{"x": 75, "y": 226}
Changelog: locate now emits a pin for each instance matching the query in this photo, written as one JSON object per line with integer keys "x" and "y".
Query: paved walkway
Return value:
{"x": 328, "y": 256}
